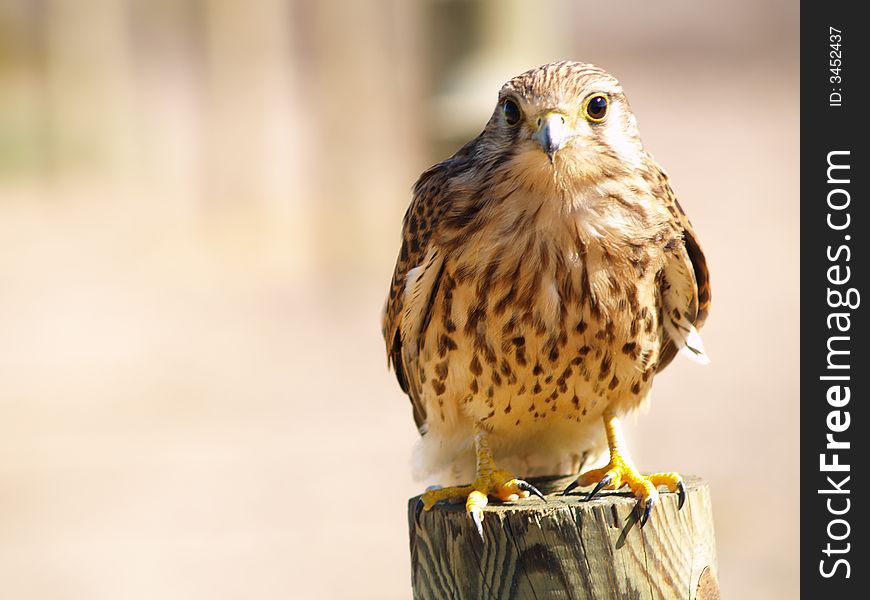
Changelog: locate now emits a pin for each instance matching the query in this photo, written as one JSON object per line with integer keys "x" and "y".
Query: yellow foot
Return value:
{"x": 499, "y": 484}
{"x": 620, "y": 473}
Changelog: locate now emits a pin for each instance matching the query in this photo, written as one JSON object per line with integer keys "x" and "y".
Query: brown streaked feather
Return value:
{"x": 431, "y": 201}
{"x": 698, "y": 262}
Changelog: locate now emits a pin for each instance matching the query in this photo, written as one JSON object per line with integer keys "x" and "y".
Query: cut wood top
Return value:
{"x": 567, "y": 547}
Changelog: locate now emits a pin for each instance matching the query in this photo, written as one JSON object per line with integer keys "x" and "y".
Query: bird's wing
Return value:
{"x": 417, "y": 275}
{"x": 685, "y": 292}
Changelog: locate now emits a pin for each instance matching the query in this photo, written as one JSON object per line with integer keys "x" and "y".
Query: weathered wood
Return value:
{"x": 567, "y": 548}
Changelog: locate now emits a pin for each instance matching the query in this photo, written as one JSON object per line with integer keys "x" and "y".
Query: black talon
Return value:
{"x": 647, "y": 509}
{"x": 604, "y": 481}
{"x": 528, "y": 487}
{"x": 681, "y": 494}
{"x": 571, "y": 486}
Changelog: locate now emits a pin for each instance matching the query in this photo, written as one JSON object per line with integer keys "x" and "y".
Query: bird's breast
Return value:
{"x": 531, "y": 329}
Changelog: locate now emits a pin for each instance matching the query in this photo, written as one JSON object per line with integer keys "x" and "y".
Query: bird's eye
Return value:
{"x": 596, "y": 108}
{"x": 512, "y": 112}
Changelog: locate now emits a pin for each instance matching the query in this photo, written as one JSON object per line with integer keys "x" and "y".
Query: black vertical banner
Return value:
{"x": 835, "y": 261}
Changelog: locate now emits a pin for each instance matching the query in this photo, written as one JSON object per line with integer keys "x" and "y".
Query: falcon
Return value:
{"x": 546, "y": 274}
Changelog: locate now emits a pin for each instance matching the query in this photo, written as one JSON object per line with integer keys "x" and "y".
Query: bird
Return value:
{"x": 546, "y": 274}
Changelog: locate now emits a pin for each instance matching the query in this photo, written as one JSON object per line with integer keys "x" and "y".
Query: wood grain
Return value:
{"x": 566, "y": 548}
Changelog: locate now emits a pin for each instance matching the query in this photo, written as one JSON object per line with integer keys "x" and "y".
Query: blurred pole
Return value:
{"x": 90, "y": 126}
{"x": 249, "y": 116}
{"x": 366, "y": 125}
{"x": 510, "y": 36}
{"x": 22, "y": 92}
{"x": 167, "y": 47}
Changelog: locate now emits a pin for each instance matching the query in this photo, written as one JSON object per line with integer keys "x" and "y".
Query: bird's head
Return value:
{"x": 567, "y": 118}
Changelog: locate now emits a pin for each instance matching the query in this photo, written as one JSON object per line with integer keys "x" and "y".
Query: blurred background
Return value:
{"x": 200, "y": 206}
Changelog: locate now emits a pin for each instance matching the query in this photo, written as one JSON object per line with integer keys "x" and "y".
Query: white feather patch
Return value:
{"x": 418, "y": 287}
{"x": 679, "y": 298}
{"x": 694, "y": 347}
{"x": 688, "y": 340}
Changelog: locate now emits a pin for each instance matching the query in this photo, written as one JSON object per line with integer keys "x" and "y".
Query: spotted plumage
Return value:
{"x": 546, "y": 273}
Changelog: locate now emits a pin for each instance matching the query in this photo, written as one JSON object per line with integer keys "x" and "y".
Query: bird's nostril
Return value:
{"x": 563, "y": 120}
{"x": 538, "y": 123}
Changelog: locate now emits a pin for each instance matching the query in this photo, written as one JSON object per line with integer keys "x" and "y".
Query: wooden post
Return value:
{"x": 567, "y": 548}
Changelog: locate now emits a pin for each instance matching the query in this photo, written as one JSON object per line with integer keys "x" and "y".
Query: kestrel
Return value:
{"x": 546, "y": 274}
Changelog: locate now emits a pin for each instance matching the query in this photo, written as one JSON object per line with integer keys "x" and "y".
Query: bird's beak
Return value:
{"x": 553, "y": 132}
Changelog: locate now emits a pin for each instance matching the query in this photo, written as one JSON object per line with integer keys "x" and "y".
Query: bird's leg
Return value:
{"x": 489, "y": 481}
{"x": 620, "y": 471}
